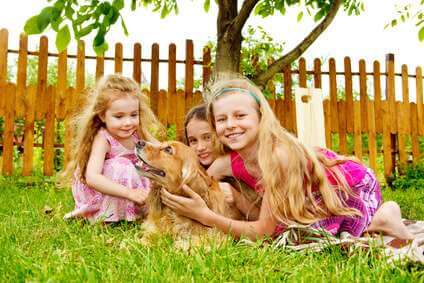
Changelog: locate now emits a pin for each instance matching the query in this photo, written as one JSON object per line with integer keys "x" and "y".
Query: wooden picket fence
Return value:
{"x": 400, "y": 124}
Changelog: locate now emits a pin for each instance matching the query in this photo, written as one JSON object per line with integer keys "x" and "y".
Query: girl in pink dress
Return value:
{"x": 105, "y": 184}
{"x": 298, "y": 184}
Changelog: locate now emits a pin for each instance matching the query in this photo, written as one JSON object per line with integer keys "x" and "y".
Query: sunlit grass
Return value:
{"x": 39, "y": 246}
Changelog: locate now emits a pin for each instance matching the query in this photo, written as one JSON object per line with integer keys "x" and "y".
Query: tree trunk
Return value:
{"x": 229, "y": 42}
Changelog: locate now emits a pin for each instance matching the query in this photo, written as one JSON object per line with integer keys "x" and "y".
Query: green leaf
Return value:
{"x": 63, "y": 38}
{"x": 165, "y": 11}
{"x": 118, "y": 4}
{"x": 300, "y": 16}
{"x": 421, "y": 34}
{"x": 44, "y": 17}
{"x": 393, "y": 23}
{"x": 124, "y": 27}
{"x": 321, "y": 13}
{"x": 86, "y": 30}
{"x": 31, "y": 26}
{"x": 100, "y": 50}
{"x": 207, "y": 5}
{"x": 133, "y": 5}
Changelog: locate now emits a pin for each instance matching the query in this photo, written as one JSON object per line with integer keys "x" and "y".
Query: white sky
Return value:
{"x": 359, "y": 37}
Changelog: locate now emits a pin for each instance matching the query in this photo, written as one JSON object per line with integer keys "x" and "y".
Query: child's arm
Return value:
{"x": 220, "y": 168}
{"x": 195, "y": 208}
{"x": 95, "y": 179}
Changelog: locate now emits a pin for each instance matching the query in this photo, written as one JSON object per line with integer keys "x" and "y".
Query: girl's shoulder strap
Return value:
{"x": 107, "y": 136}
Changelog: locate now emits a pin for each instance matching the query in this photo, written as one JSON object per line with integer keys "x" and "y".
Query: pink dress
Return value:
{"x": 118, "y": 167}
{"x": 367, "y": 195}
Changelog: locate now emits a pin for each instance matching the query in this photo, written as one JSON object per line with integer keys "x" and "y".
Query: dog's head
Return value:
{"x": 169, "y": 164}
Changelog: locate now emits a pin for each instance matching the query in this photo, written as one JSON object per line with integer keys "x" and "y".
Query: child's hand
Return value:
{"x": 138, "y": 196}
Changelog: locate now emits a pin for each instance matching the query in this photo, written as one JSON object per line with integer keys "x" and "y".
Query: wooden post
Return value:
{"x": 189, "y": 73}
{"x": 118, "y": 57}
{"x": 172, "y": 83}
{"x": 390, "y": 97}
{"x": 137, "y": 63}
{"x": 154, "y": 81}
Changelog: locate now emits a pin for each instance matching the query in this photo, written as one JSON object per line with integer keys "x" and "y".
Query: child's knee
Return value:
{"x": 391, "y": 208}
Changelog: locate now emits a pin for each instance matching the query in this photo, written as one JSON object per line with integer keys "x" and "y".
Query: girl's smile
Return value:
{"x": 200, "y": 138}
{"x": 237, "y": 121}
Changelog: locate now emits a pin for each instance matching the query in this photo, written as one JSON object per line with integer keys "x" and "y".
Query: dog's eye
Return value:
{"x": 168, "y": 150}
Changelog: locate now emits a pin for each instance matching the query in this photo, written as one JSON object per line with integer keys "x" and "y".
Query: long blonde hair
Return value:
{"x": 289, "y": 183}
{"x": 87, "y": 123}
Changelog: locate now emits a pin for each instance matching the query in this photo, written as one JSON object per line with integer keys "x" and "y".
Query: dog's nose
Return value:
{"x": 140, "y": 145}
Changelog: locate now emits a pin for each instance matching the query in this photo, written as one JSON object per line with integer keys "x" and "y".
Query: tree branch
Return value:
{"x": 262, "y": 78}
{"x": 243, "y": 15}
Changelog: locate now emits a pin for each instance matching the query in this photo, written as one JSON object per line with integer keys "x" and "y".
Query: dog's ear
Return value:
{"x": 189, "y": 170}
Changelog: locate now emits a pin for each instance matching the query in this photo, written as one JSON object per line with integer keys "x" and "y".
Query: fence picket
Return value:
{"x": 414, "y": 133}
{"x": 349, "y": 94}
{"x": 100, "y": 66}
{"x": 377, "y": 97}
{"x": 118, "y": 57}
{"x": 22, "y": 75}
{"x": 62, "y": 85}
{"x": 154, "y": 79}
{"x": 180, "y": 114}
{"x": 387, "y": 144}
{"x": 401, "y": 136}
{"x": 42, "y": 77}
{"x": 372, "y": 142}
{"x": 29, "y": 103}
{"x": 189, "y": 73}
{"x": 363, "y": 94}
{"x": 333, "y": 96}
{"x": 357, "y": 131}
{"x": 137, "y": 75}
{"x": 341, "y": 105}
{"x": 4, "y": 36}
{"x": 302, "y": 72}
{"x": 9, "y": 129}
{"x": 172, "y": 83}
{"x": 49, "y": 130}
{"x": 420, "y": 106}
{"x": 390, "y": 91}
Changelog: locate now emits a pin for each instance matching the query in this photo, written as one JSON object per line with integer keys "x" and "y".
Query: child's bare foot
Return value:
{"x": 388, "y": 220}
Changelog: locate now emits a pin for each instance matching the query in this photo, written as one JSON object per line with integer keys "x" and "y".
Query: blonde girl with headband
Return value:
{"x": 105, "y": 183}
{"x": 299, "y": 185}
{"x": 201, "y": 137}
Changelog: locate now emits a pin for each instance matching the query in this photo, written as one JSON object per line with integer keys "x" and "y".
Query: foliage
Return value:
{"x": 411, "y": 12}
{"x": 412, "y": 177}
{"x": 98, "y": 16}
{"x": 39, "y": 246}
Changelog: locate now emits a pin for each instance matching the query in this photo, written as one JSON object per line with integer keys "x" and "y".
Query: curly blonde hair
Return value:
{"x": 87, "y": 122}
{"x": 290, "y": 184}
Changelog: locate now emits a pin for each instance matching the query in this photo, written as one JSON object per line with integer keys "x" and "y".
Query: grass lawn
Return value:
{"x": 35, "y": 246}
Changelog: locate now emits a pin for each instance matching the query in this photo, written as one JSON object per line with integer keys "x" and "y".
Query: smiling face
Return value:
{"x": 237, "y": 121}
{"x": 166, "y": 163}
{"x": 122, "y": 117}
{"x": 200, "y": 137}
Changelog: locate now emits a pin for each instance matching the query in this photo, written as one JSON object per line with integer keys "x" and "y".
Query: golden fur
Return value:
{"x": 169, "y": 165}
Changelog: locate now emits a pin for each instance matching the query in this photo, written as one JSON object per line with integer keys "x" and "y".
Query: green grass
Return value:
{"x": 40, "y": 247}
